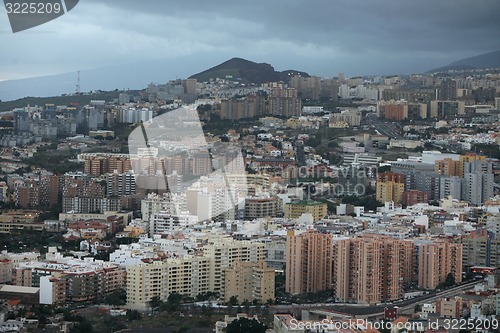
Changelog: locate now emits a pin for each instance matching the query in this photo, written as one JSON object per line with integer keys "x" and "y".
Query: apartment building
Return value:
{"x": 120, "y": 184}
{"x": 393, "y": 110}
{"x": 449, "y": 307}
{"x": 470, "y": 158}
{"x": 308, "y": 262}
{"x": 248, "y": 281}
{"x": 478, "y": 182}
{"x": 191, "y": 275}
{"x": 246, "y": 107}
{"x": 276, "y": 253}
{"x": 262, "y": 207}
{"x": 78, "y": 284}
{"x": 284, "y": 102}
{"x": 224, "y": 253}
{"x": 449, "y": 167}
{"x": 53, "y": 290}
{"x": 372, "y": 268}
{"x": 443, "y": 109}
{"x": 390, "y": 187}
{"x": 19, "y": 219}
{"x": 187, "y": 275}
{"x": 97, "y": 164}
{"x": 307, "y": 87}
{"x": 351, "y": 117}
{"x": 436, "y": 260}
{"x": 5, "y": 270}
{"x": 294, "y": 210}
{"x": 481, "y": 248}
{"x": 413, "y": 197}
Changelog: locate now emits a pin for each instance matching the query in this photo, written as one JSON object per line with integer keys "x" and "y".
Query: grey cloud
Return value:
{"x": 319, "y": 36}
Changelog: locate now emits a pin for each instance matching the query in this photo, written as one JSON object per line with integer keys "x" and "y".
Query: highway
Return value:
{"x": 455, "y": 291}
{"x": 362, "y": 311}
{"x": 390, "y": 129}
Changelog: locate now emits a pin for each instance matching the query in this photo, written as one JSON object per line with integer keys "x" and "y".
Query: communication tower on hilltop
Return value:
{"x": 78, "y": 83}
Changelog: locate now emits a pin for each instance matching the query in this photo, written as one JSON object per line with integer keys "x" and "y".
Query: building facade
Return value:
{"x": 308, "y": 262}
{"x": 372, "y": 269}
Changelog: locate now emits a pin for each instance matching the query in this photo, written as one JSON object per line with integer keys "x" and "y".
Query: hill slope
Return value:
{"x": 486, "y": 60}
{"x": 122, "y": 76}
{"x": 246, "y": 71}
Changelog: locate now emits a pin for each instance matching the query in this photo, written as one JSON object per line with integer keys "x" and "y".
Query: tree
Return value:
{"x": 82, "y": 327}
{"x": 244, "y": 325}
{"x": 116, "y": 298}
{"x": 233, "y": 301}
{"x": 173, "y": 302}
{"x": 417, "y": 308}
{"x": 450, "y": 280}
{"x": 183, "y": 329}
{"x": 133, "y": 315}
{"x": 246, "y": 303}
{"x": 155, "y": 302}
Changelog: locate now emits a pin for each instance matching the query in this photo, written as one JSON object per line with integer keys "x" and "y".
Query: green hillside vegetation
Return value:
{"x": 60, "y": 100}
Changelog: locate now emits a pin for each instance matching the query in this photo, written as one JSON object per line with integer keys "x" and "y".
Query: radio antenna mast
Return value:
{"x": 78, "y": 84}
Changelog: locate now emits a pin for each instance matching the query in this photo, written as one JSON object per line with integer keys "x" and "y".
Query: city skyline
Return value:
{"x": 234, "y": 167}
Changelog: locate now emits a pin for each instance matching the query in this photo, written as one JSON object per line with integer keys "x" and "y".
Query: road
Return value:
{"x": 390, "y": 129}
{"x": 455, "y": 291}
{"x": 363, "y": 311}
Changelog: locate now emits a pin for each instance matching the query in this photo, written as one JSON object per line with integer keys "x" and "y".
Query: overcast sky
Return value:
{"x": 321, "y": 37}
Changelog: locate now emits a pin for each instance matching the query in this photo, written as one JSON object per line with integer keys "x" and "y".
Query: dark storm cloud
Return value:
{"x": 414, "y": 25}
{"x": 322, "y": 37}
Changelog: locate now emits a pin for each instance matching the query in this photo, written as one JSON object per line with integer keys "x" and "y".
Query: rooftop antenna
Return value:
{"x": 78, "y": 84}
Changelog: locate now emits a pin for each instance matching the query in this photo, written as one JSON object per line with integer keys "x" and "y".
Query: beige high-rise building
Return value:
{"x": 245, "y": 107}
{"x": 307, "y": 87}
{"x": 186, "y": 275}
{"x": 443, "y": 109}
{"x": 390, "y": 187}
{"x": 308, "y": 262}
{"x": 224, "y": 253}
{"x": 294, "y": 210}
{"x": 97, "y": 164}
{"x": 5, "y": 270}
{"x": 469, "y": 158}
{"x": 189, "y": 86}
{"x": 191, "y": 275}
{"x": 394, "y": 110}
{"x": 372, "y": 269}
{"x": 436, "y": 260}
{"x": 248, "y": 281}
{"x": 284, "y": 102}
{"x": 449, "y": 167}
{"x": 262, "y": 207}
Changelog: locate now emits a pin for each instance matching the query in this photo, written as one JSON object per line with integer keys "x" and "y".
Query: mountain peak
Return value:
{"x": 485, "y": 60}
{"x": 246, "y": 71}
